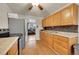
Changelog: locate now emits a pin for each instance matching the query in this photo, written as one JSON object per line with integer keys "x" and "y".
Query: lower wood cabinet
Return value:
{"x": 64, "y": 45}
{"x": 59, "y": 44}
{"x": 14, "y": 49}
{"x": 50, "y": 40}
{"x": 60, "y": 50}
{"x": 46, "y": 39}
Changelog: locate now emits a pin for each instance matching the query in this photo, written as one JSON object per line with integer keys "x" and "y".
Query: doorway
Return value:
{"x": 31, "y": 28}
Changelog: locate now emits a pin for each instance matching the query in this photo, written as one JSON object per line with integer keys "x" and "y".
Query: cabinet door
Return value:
{"x": 74, "y": 11}
{"x": 60, "y": 49}
{"x": 46, "y": 37}
{"x": 57, "y": 19}
{"x": 43, "y": 22}
{"x": 69, "y": 15}
{"x": 51, "y": 21}
{"x": 14, "y": 49}
{"x": 50, "y": 40}
{"x": 46, "y": 23}
{"x": 62, "y": 41}
{"x": 61, "y": 44}
{"x": 42, "y": 36}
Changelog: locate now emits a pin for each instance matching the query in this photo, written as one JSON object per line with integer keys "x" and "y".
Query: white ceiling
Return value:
{"x": 22, "y": 8}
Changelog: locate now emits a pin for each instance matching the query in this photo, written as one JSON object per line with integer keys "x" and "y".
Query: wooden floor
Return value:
{"x": 37, "y": 49}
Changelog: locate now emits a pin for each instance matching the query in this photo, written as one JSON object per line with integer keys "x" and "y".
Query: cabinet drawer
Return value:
{"x": 61, "y": 38}
{"x": 50, "y": 40}
{"x": 60, "y": 49}
{"x": 63, "y": 44}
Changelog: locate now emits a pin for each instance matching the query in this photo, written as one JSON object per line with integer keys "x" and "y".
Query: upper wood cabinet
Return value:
{"x": 43, "y": 22}
{"x": 69, "y": 15}
{"x": 66, "y": 16}
{"x": 49, "y": 21}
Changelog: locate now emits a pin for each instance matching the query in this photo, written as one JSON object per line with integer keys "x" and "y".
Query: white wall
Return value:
{"x": 39, "y": 24}
{"x": 4, "y": 9}
{"x": 26, "y": 30}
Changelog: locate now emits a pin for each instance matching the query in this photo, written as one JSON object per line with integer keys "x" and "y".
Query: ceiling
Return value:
{"x": 22, "y": 8}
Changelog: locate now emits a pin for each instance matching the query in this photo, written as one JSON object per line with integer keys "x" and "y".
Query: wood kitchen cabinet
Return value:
{"x": 70, "y": 15}
{"x": 58, "y": 44}
{"x": 43, "y": 36}
{"x": 63, "y": 45}
{"x": 14, "y": 49}
{"x": 54, "y": 20}
{"x": 46, "y": 39}
{"x": 51, "y": 20}
{"x": 50, "y": 40}
{"x": 46, "y": 22}
{"x": 43, "y": 22}
{"x": 66, "y": 16}
{"x": 57, "y": 19}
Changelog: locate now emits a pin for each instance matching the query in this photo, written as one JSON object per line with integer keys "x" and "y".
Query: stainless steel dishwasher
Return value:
{"x": 76, "y": 49}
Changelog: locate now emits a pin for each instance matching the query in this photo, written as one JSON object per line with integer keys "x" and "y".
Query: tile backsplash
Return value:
{"x": 70, "y": 28}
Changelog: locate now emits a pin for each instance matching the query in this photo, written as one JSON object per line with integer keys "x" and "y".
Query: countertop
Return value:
{"x": 6, "y": 44}
{"x": 65, "y": 34}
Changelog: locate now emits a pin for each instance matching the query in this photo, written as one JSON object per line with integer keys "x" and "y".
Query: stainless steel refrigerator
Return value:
{"x": 17, "y": 26}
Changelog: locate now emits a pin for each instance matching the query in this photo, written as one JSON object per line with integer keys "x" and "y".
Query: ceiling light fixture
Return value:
{"x": 35, "y": 4}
